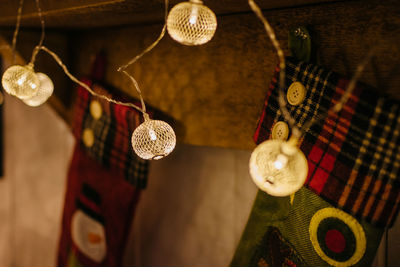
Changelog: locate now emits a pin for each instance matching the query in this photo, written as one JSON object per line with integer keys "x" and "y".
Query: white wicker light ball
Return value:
{"x": 153, "y": 139}
{"x": 20, "y": 81}
{"x": 46, "y": 88}
{"x": 279, "y": 168}
{"x": 191, "y": 23}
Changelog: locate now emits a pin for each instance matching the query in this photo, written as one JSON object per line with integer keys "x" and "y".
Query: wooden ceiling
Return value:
{"x": 100, "y": 13}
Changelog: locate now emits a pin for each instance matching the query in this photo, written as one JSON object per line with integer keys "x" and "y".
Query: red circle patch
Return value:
{"x": 335, "y": 241}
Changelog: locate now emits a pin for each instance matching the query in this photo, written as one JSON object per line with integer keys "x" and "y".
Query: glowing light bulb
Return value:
{"x": 277, "y": 167}
{"x": 191, "y": 23}
{"x": 45, "y": 90}
{"x": 153, "y": 139}
{"x": 20, "y": 81}
{"x": 153, "y": 135}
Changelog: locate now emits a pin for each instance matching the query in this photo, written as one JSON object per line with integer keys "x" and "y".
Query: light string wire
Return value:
{"x": 42, "y": 35}
{"x": 297, "y": 132}
{"x": 15, "y": 35}
{"x": 122, "y": 68}
{"x": 148, "y": 49}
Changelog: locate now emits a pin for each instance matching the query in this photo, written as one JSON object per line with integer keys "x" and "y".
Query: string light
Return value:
{"x": 46, "y": 88}
{"x": 159, "y": 140}
{"x": 279, "y": 168}
{"x": 153, "y": 139}
{"x": 20, "y": 81}
{"x": 191, "y": 23}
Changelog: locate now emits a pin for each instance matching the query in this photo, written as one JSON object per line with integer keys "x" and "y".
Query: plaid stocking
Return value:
{"x": 353, "y": 156}
{"x": 104, "y": 183}
{"x": 353, "y": 179}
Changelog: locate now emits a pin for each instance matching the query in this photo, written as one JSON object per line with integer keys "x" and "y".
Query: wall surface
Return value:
{"x": 38, "y": 145}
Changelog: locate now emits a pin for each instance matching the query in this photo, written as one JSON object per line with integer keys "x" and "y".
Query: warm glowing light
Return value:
{"x": 279, "y": 168}
{"x": 153, "y": 135}
{"x": 280, "y": 162}
{"x": 20, "y": 81}
{"x": 153, "y": 139}
{"x": 191, "y": 23}
{"x": 46, "y": 88}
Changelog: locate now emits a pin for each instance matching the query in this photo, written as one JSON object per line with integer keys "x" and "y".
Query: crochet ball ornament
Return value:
{"x": 191, "y": 23}
{"x": 279, "y": 168}
{"x": 46, "y": 88}
{"x": 153, "y": 139}
{"x": 20, "y": 81}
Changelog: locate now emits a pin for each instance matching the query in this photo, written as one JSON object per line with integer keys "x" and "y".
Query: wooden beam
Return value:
{"x": 102, "y": 13}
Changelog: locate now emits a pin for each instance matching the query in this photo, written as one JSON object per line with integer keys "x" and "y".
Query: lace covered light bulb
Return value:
{"x": 279, "y": 168}
{"x": 46, "y": 88}
{"x": 20, "y": 81}
{"x": 153, "y": 139}
{"x": 191, "y": 23}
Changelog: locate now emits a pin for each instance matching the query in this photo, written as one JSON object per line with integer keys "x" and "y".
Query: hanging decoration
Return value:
{"x": 21, "y": 81}
{"x": 153, "y": 139}
{"x": 46, "y": 88}
{"x": 264, "y": 168}
{"x": 191, "y": 23}
{"x": 278, "y": 167}
{"x": 35, "y": 88}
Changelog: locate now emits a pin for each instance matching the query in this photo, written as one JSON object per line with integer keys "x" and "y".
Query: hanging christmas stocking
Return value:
{"x": 353, "y": 159}
{"x": 104, "y": 183}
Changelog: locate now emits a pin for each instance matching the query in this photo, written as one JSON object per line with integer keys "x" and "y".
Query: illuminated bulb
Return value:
{"x": 153, "y": 139}
{"x": 20, "y": 81}
{"x": 279, "y": 168}
{"x": 191, "y": 23}
{"x": 45, "y": 90}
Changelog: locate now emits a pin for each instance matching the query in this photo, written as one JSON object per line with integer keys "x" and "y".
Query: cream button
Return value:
{"x": 296, "y": 93}
{"x": 95, "y": 109}
{"x": 280, "y": 131}
{"x": 88, "y": 137}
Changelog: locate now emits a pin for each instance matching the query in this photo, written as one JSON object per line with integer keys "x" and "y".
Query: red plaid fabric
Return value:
{"x": 112, "y": 134}
{"x": 105, "y": 180}
{"x": 353, "y": 156}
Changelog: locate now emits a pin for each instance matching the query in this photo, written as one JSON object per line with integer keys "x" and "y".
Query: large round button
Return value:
{"x": 280, "y": 131}
{"x": 95, "y": 109}
{"x": 296, "y": 93}
{"x": 88, "y": 137}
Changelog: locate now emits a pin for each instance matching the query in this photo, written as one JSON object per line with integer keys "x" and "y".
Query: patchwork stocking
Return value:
{"x": 353, "y": 179}
{"x": 354, "y": 156}
{"x": 104, "y": 183}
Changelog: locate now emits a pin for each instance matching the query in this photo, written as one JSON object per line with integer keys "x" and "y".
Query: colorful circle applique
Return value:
{"x": 337, "y": 237}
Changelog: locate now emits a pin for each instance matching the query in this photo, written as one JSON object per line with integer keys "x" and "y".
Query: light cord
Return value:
{"x": 85, "y": 86}
{"x": 282, "y": 67}
{"x": 145, "y": 51}
{"x": 37, "y": 48}
{"x": 17, "y": 26}
{"x": 120, "y": 69}
{"x": 296, "y": 132}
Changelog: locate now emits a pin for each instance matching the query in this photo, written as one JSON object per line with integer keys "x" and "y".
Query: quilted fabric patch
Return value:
{"x": 311, "y": 233}
{"x": 274, "y": 250}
